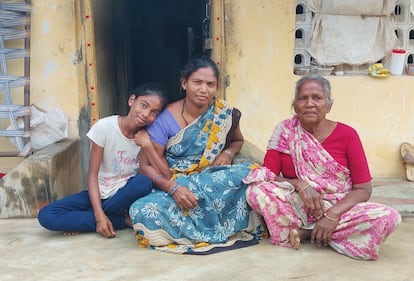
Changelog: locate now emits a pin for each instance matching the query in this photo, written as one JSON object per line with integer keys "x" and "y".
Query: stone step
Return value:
{"x": 41, "y": 178}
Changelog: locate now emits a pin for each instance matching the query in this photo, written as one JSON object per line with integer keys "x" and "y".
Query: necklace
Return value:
{"x": 182, "y": 113}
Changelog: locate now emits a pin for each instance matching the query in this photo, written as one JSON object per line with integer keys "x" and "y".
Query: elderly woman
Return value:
{"x": 315, "y": 181}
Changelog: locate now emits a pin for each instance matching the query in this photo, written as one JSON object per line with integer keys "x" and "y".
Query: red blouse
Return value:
{"x": 343, "y": 144}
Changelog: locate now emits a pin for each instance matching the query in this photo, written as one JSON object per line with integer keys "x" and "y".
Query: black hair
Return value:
{"x": 196, "y": 63}
{"x": 148, "y": 89}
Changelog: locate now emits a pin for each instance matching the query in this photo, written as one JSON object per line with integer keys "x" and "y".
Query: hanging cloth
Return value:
{"x": 351, "y": 31}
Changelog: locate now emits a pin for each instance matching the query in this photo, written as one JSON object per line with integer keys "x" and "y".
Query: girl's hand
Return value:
{"x": 105, "y": 228}
{"x": 142, "y": 138}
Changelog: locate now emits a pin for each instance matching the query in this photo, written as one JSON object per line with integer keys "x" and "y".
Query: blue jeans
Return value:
{"x": 75, "y": 213}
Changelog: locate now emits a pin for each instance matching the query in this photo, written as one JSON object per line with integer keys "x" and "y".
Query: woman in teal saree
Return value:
{"x": 199, "y": 205}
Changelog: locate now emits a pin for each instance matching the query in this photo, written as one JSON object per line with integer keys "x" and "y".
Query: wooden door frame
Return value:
{"x": 217, "y": 31}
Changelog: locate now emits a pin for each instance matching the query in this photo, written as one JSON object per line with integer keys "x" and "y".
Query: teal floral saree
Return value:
{"x": 222, "y": 220}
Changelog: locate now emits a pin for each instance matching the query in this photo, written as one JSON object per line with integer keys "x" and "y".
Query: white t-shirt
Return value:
{"x": 120, "y": 157}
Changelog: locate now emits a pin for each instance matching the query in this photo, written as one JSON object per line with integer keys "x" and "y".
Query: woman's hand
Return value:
{"x": 105, "y": 228}
{"x": 322, "y": 232}
{"x": 184, "y": 198}
{"x": 224, "y": 158}
{"x": 312, "y": 200}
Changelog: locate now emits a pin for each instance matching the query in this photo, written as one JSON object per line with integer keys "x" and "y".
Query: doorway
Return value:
{"x": 162, "y": 36}
{"x": 146, "y": 41}
{"x": 135, "y": 42}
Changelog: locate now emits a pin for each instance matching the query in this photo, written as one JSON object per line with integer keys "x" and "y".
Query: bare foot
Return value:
{"x": 294, "y": 239}
{"x": 71, "y": 233}
{"x": 265, "y": 230}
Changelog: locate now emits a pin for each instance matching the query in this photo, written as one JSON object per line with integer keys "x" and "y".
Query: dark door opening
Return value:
{"x": 163, "y": 35}
{"x": 139, "y": 41}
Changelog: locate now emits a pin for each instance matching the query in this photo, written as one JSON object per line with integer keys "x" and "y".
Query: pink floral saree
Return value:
{"x": 360, "y": 230}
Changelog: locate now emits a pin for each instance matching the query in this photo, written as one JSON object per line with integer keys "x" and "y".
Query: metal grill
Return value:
{"x": 15, "y": 25}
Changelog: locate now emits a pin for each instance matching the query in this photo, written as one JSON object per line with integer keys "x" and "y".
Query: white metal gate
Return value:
{"x": 15, "y": 25}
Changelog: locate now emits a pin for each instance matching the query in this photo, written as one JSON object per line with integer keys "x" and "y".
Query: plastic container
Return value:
{"x": 397, "y": 61}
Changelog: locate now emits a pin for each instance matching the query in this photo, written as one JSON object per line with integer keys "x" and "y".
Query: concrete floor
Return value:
{"x": 29, "y": 252}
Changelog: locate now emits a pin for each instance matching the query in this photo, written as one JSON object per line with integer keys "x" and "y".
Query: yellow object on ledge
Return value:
{"x": 378, "y": 70}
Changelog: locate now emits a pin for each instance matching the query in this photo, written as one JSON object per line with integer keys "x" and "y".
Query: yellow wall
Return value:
{"x": 259, "y": 49}
{"x": 259, "y": 41}
{"x": 54, "y": 77}
{"x": 61, "y": 75}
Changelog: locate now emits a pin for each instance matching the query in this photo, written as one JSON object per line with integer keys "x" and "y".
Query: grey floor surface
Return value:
{"x": 29, "y": 252}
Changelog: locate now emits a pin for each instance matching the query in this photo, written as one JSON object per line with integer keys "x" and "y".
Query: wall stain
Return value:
{"x": 84, "y": 122}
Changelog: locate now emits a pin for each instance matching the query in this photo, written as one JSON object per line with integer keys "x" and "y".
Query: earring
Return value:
{"x": 183, "y": 91}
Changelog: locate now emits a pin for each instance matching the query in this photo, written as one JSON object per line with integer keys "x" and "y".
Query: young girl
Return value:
{"x": 113, "y": 182}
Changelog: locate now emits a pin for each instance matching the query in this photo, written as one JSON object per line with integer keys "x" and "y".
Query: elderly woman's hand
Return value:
{"x": 312, "y": 200}
{"x": 322, "y": 232}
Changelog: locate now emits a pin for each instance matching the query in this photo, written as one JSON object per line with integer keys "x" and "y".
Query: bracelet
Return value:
{"x": 156, "y": 178}
{"x": 171, "y": 183}
{"x": 304, "y": 188}
{"x": 173, "y": 189}
{"x": 229, "y": 153}
{"x": 330, "y": 218}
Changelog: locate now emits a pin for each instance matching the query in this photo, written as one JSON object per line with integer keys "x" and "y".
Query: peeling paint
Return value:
{"x": 77, "y": 56}
{"x": 50, "y": 67}
{"x": 84, "y": 124}
{"x": 45, "y": 27}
